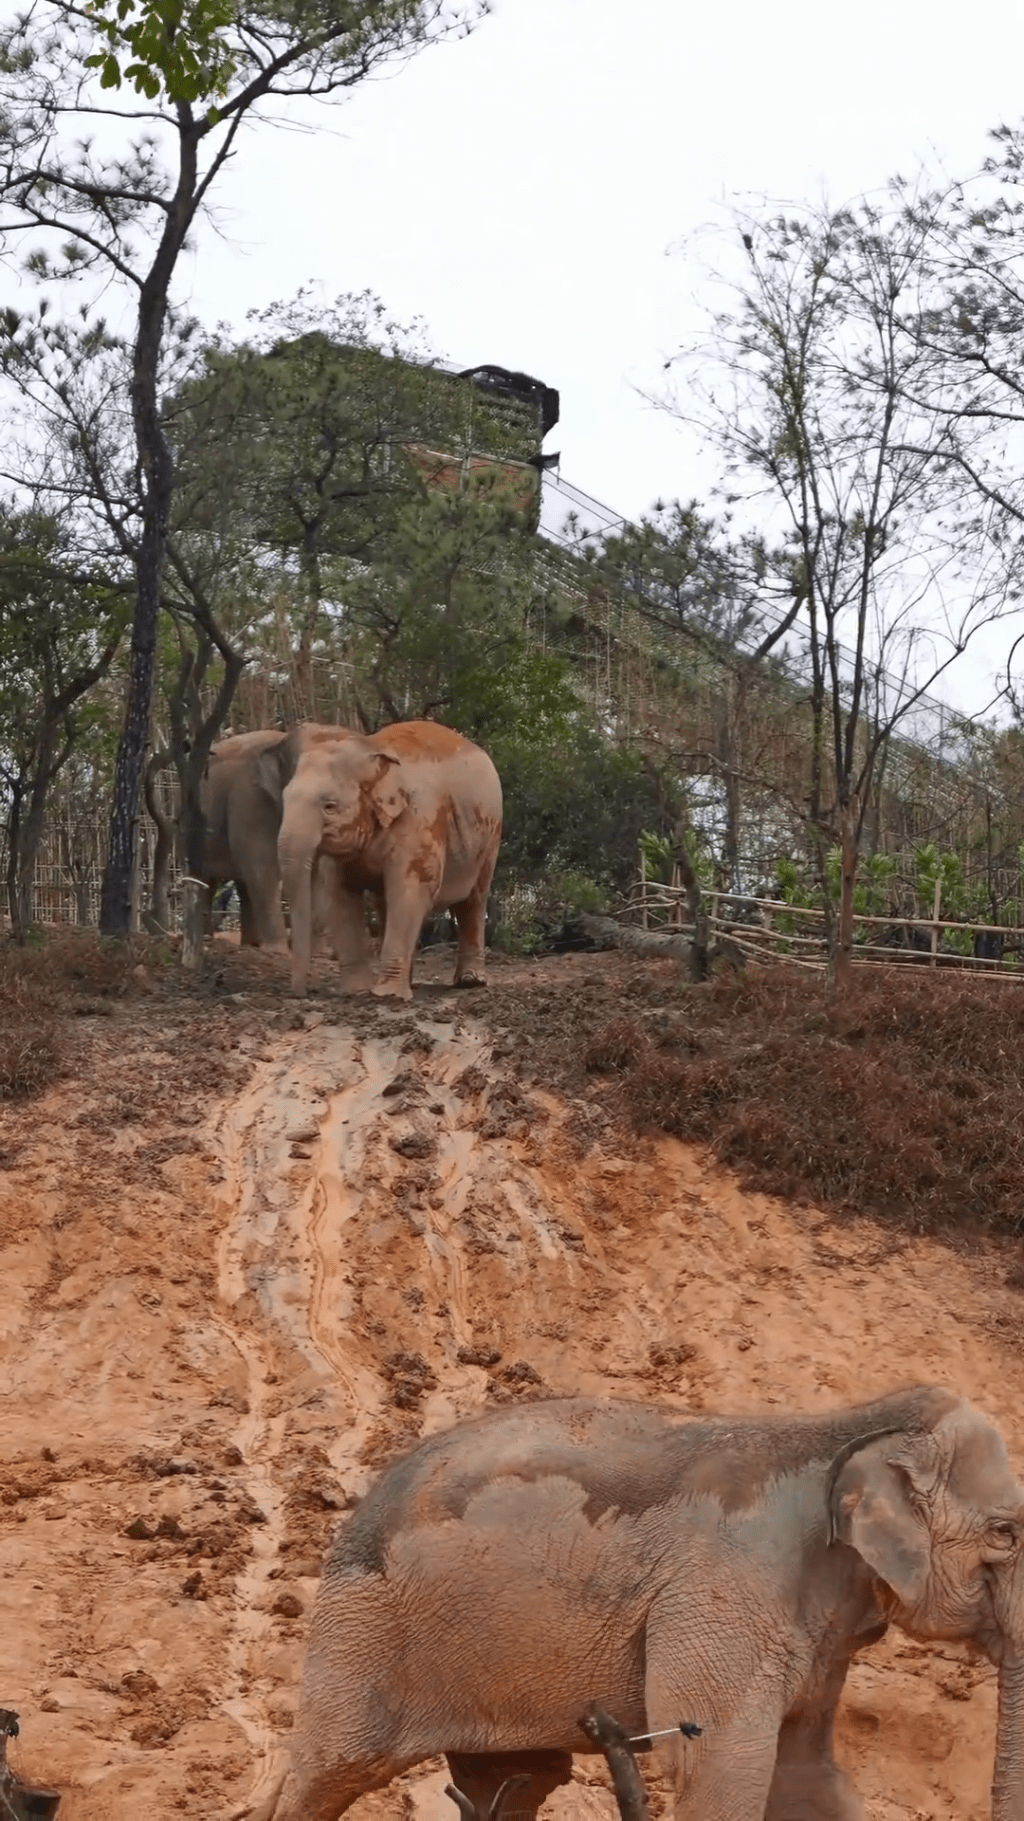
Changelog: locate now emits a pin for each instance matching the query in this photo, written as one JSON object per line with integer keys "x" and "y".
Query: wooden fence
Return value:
{"x": 767, "y": 928}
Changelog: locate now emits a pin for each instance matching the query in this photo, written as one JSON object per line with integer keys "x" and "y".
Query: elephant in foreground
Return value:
{"x": 723, "y": 1570}
{"x": 412, "y": 813}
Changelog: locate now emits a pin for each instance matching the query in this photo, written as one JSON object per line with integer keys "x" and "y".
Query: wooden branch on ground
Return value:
{"x": 17, "y": 1800}
{"x": 609, "y": 934}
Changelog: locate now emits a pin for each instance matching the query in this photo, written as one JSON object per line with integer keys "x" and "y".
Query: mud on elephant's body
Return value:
{"x": 512, "y": 1570}
{"x": 412, "y": 813}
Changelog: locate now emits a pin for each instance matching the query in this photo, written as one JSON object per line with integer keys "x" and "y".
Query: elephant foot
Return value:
{"x": 470, "y": 977}
{"x": 354, "y": 980}
{"x": 391, "y": 989}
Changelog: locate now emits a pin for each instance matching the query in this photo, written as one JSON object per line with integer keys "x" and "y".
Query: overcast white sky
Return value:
{"x": 522, "y": 190}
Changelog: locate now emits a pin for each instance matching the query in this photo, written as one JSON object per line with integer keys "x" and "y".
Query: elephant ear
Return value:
{"x": 387, "y": 797}
{"x": 877, "y": 1507}
{"x": 275, "y": 767}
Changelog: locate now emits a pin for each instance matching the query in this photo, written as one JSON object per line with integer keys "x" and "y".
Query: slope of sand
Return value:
{"x": 224, "y": 1305}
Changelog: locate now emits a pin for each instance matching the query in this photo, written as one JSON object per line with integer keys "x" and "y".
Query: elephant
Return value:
{"x": 242, "y": 821}
{"x": 672, "y": 1566}
{"x": 412, "y": 813}
{"x": 242, "y": 803}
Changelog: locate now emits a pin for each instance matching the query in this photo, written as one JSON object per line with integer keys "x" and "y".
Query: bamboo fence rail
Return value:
{"x": 655, "y": 905}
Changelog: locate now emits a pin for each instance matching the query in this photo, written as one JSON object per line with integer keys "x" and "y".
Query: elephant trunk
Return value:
{"x": 1008, "y": 1774}
{"x": 298, "y": 847}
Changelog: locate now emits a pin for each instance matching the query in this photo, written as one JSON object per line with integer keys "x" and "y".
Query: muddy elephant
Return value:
{"x": 412, "y": 813}
{"x": 673, "y": 1567}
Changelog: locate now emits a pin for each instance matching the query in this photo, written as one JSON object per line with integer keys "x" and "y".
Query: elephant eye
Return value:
{"x": 330, "y": 804}
{"x": 1002, "y": 1536}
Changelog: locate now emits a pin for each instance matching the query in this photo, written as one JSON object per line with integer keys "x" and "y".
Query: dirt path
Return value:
{"x": 211, "y": 1336}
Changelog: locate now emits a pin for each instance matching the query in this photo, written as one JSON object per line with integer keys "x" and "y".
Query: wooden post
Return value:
{"x": 936, "y": 907}
{"x": 675, "y": 915}
{"x": 627, "y": 1782}
{"x": 194, "y": 896}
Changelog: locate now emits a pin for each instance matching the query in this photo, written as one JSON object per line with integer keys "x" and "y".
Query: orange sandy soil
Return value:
{"x": 237, "y": 1274}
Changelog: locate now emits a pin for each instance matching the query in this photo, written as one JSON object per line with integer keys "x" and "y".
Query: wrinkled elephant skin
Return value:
{"x": 510, "y": 1571}
{"x": 412, "y": 813}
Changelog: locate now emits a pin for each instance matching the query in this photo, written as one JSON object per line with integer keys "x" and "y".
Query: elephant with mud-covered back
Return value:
{"x": 724, "y": 1570}
{"x": 412, "y": 814}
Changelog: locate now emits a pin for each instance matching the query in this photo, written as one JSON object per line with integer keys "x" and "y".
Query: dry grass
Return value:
{"x": 905, "y": 1101}
{"x": 42, "y": 982}
{"x": 33, "y": 1021}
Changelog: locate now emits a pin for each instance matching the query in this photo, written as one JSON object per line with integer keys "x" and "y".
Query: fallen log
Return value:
{"x": 606, "y": 933}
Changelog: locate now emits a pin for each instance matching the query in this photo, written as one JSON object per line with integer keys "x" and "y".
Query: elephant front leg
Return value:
{"x": 726, "y": 1773}
{"x": 808, "y": 1784}
{"x": 407, "y": 900}
{"x": 346, "y": 923}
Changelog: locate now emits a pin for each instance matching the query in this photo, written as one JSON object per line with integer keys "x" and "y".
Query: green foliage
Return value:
{"x": 60, "y": 626}
{"x": 440, "y": 611}
{"x": 532, "y": 918}
{"x": 656, "y": 853}
{"x": 329, "y": 421}
{"x": 177, "y": 47}
{"x": 686, "y": 566}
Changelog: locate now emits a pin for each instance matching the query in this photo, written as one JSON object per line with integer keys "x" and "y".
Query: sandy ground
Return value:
{"x": 243, "y": 1263}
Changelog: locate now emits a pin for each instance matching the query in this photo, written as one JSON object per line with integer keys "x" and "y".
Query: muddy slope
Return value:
{"x": 226, "y": 1303}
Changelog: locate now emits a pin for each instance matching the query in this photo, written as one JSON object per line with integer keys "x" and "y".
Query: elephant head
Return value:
{"x": 939, "y": 1519}
{"x": 341, "y": 792}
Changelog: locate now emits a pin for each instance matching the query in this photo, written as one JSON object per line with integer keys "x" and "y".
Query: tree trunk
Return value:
{"x": 157, "y": 470}
{"x": 17, "y": 790}
{"x": 843, "y": 962}
{"x": 730, "y": 736}
{"x": 159, "y": 901}
{"x": 699, "y": 962}
{"x": 26, "y": 830}
{"x": 195, "y": 899}
{"x": 604, "y": 932}
{"x": 115, "y": 900}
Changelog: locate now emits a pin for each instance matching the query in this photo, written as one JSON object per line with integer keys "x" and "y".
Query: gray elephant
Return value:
{"x": 242, "y": 822}
{"x": 412, "y": 813}
{"x": 512, "y": 1570}
{"x": 242, "y": 790}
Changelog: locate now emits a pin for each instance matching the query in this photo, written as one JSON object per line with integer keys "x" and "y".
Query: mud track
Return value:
{"x": 213, "y": 1332}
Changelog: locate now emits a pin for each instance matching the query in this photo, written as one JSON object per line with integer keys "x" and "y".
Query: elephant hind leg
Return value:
{"x": 248, "y": 936}
{"x": 471, "y": 917}
{"x": 480, "y": 1775}
{"x": 318, "y": 1788}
